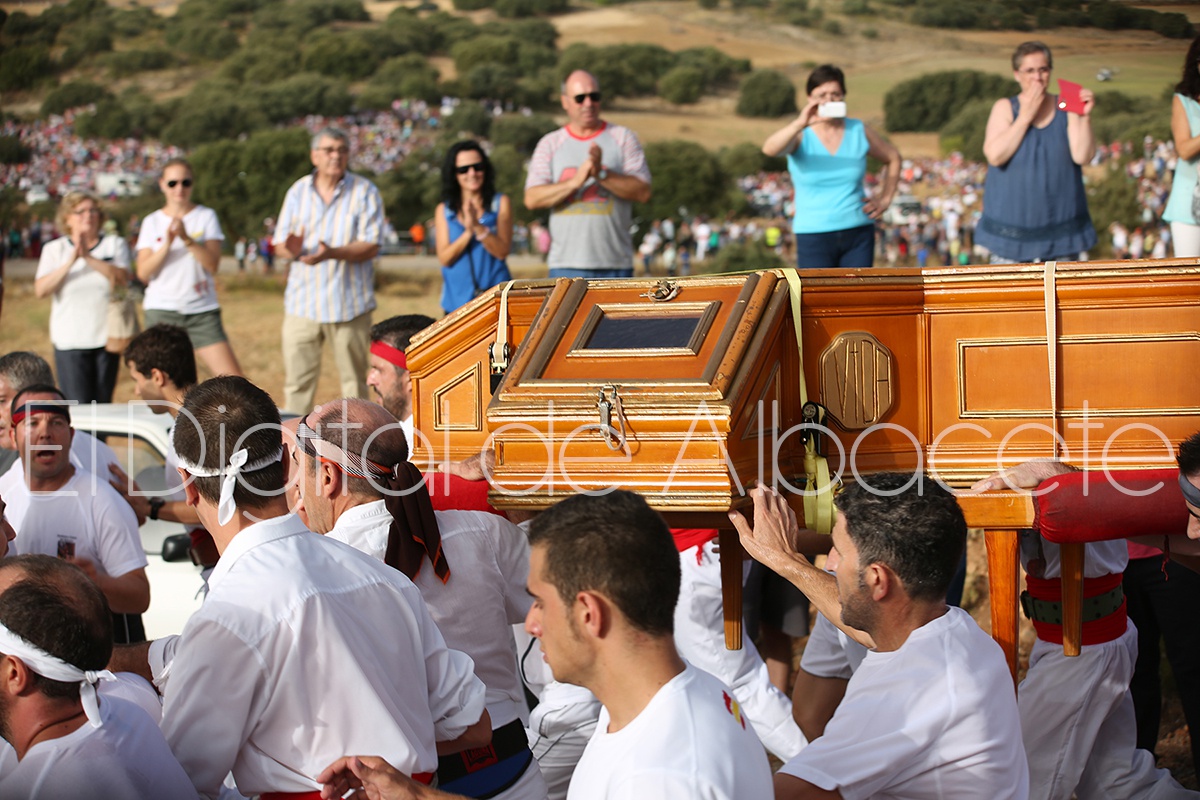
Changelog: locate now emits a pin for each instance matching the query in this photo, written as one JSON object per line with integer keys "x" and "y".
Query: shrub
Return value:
{"x": 520, "y": 132}
{"x": 529, "y": 8}
{"x": 491, "y": 81}
{"x": 24, "y": 66}
{"x": 857, "y": 7}
{"x": 486, "y": 49}
{"x": 305, "y": 93}
{"x": 343, "y": 53}
{"x": 14, "y": 151}
{"x": 73, "y": 95}
{"x": 964, "y": 132}
{"x": 717, "y": 67}
{"x": 685, "y": 175}
{"x": 201, "y": 39}
{"x": 766, "y": 93}
{"x": 748, "y": 159}
{"x": 709, "y": 4}
{"x": 213, "y": 110}
{"x": 682, "y": 85}
{"x": 110, "y": 120}
{"x": 470, "y": 118}
{"x": 927, "y": 102}
{"x": 122, "y": 63}
{"x": 408, "y": 76}
{"x": 471, "y": 5}
{"x": 833, "y": 27}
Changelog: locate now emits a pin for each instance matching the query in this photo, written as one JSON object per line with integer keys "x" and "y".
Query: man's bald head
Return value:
{"x": 366, "y": 430}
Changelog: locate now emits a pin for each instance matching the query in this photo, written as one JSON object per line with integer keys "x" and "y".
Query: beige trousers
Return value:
{"x": 302, "y": 341}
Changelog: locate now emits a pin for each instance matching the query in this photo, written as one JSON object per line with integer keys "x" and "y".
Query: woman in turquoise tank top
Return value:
{"x": 473, "y": 226}
{"x": 834, "y": 223}
{"x": 1184, "y": 201}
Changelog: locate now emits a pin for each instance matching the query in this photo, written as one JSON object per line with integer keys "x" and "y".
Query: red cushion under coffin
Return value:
{"x": 459, "y": 495}
{"x": 1123, "y": 503}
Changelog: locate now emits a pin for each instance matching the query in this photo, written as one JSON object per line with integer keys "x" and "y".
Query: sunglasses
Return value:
{"x": 465, "y": 168}
{"x": 187, "y": 183}
{"x": 593, "y": 96}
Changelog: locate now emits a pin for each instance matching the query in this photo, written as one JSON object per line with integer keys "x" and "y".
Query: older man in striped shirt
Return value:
{"x": 331, "y": 226}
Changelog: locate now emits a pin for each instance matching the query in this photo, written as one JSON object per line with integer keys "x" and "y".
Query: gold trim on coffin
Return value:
{"x": 1040, "y": 341}
{"x": 473, "y": 375}
{"x": 705, "y": 312}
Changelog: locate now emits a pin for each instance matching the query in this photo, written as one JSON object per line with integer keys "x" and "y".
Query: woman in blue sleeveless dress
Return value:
{"x": 834, "y": 223}
{"x": 1034, "y": 205}
{"x": 1185, "y": 130}
{"x": 473, "y": 226}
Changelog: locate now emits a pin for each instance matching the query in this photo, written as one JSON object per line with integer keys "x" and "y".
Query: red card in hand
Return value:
{"x": 1069, "y": 98}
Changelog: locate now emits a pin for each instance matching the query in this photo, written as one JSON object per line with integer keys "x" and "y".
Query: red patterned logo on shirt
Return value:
{"x": 733, "y": 708}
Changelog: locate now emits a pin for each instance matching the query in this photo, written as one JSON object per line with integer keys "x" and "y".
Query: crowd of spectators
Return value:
{"x": 947, "y": 191}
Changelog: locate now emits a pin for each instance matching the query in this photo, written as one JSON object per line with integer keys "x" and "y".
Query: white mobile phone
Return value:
{"x": 832, "y": 110}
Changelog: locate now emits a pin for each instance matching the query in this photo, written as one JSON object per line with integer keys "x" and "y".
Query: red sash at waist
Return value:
{"x": 1099, "y": 631}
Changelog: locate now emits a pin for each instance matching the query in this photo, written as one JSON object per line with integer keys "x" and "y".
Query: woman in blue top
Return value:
{"x": 827, "y": 158}
{"x": 1034, "y": 206}
{"x": 1185, "y": 129}
{"x": 473, "y": 226}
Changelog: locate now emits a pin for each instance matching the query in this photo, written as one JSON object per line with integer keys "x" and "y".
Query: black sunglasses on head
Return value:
{"x": 465, "y": 168}
{"x": 187, "y": 183}
{"x": 593, "y": 96}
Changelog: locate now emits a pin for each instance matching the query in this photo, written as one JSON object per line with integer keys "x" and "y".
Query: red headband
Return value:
{"x": 389, "y": 354}
{"x": 31, "y": 407}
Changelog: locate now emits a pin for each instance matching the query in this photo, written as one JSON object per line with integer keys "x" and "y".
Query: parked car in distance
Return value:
{"x": 903, "y": 209}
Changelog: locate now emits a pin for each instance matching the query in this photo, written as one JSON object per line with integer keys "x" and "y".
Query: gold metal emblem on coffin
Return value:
{"x": 856, "y": 380}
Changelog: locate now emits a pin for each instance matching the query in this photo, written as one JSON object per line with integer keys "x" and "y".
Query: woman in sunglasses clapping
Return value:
{"x": 178, "y": 254}
{"x": 473, "y": 226}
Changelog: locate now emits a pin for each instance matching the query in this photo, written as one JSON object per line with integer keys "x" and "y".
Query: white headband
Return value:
{"x": 48, "y": 666}
{"x": 237, "y": 465}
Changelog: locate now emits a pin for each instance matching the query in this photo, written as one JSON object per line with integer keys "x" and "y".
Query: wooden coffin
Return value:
{"x": 942, "y": 369}
{"x": 955, "y": 371}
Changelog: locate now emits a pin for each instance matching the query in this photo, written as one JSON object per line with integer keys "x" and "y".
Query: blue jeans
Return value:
{"x": 852, "y": 247}
{"x": 572, "y": 272}
{"x": 87, "y": 375}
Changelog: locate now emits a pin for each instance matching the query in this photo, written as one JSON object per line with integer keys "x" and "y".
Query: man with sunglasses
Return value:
{"x": 331, "y": 226}
{"x": 588, "y": 173}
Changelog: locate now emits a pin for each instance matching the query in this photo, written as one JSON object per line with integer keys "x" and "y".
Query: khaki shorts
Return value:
{"x": 203, "y": 329}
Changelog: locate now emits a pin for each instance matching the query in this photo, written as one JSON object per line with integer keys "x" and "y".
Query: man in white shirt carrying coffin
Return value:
{"x": 304, "y": 645}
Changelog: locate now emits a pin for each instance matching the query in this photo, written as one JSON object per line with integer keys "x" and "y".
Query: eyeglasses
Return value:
{"x": 83, "y": 212}
{"x": 465, "y": 168}
{"x": 187, "y": 183}
{"x": 329, "y": 151}
{"x": 593, "y": 96}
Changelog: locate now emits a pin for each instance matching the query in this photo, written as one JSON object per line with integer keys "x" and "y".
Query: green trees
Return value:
{"x": 927, "y": 102}
{"x": 685, "y": 176}
{"x": 245, "y": 181}
{"x": 766, "y": 93}
{"x": 73, "y": 95}
{"x": 682, "y": 85}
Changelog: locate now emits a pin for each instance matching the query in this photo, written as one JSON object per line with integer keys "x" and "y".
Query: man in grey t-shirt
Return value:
{"x": 588, "y": 173}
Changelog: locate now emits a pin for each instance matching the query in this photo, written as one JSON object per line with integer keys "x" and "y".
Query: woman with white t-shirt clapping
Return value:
{"x": 178, "y": 253}
{"x": 80, "y": 270}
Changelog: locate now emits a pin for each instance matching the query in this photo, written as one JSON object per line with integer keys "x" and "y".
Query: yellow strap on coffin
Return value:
{"x": 818, "y": 495}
